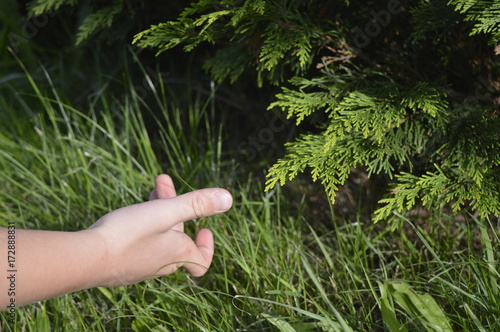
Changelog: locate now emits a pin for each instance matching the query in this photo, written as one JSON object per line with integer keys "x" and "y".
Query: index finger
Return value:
{"x": 163, "y": 214}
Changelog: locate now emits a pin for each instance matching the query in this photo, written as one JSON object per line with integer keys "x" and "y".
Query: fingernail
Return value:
{"x": 222, "y": 201}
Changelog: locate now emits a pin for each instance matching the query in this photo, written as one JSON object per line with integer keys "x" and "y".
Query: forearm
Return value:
{"x": 48, "y": 264}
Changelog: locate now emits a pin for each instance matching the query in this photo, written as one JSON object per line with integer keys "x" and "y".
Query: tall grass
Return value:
{"x": 276, "y": 268}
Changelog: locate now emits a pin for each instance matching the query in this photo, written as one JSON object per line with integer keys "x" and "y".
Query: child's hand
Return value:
{"x": 147, "y": 240}
{"x": 125, "y": 246}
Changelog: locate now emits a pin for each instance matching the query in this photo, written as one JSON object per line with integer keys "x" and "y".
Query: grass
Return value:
{"x": 276, "y": 267}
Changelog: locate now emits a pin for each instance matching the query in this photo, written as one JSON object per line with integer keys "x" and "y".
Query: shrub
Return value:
{"x": 403, "y": 90}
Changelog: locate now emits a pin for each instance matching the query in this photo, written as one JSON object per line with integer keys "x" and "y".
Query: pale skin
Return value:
{"x": 126, "y": 246}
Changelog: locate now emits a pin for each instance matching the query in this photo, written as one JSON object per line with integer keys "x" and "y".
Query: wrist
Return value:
{"x": 98, "y": 268}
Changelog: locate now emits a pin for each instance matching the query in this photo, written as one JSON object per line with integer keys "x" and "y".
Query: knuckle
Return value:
{"x": 199, "y": 206}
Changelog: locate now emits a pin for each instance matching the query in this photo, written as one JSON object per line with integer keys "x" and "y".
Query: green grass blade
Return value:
{"x": 421, "y": 307}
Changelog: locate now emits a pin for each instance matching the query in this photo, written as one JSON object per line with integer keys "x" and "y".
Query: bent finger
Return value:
{"x": 165, "y": 189}
{"x": 201, "y": 255}
{"x": 165, "y": 186}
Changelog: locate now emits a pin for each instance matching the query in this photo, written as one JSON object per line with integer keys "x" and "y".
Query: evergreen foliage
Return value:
{"x": 484, "y": 14}
{"x": 109, "y": 20}
{"x": 101, "y": 18}
{"x": 39, "y": 7}
{"x": 272, "y": 36}
{"x": 405, "y": 90}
